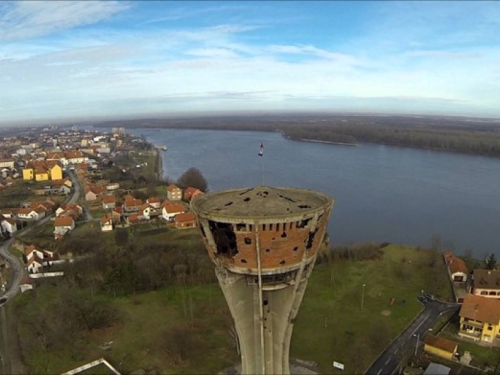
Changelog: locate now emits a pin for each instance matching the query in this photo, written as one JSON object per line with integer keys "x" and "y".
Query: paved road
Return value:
{"x": 408, "y": 341}
{"x": 16, "y": 275}
{"x": 77, "y": 194}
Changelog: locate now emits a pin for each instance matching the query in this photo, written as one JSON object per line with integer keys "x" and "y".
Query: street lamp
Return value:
{"x": 363, "y": 297}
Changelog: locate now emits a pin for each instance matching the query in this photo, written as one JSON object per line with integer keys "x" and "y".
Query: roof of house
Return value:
{"x": 457, "y": 265}
{"x": 31, "y": 248}
{"x": 108, "y": 199}
{"x": 63, "y": 221}
{"x": 133, "y": 218}
{"x": 184, "y": 217}
{"x": 173, "y": 188}
{"x": 441, "y": 343}
{"x": 132, "y": 202}
{"x": 106, "y": 218}
{"x": 173, "y": 208}
{"x": 487, "y": 279}
{"x": 153, "y": 200}
{"x": 482, "y": 309}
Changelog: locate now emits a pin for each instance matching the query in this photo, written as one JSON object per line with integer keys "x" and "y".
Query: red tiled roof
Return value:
{"x": 482, "y": 309}
{"x": 173, "y": 208}
{"x": 184, "y": 217}
{"x": 457, "y": 265}
{"x": 440, "y": 343}
{"x": 63, "y": 221}
{"x": 108, "y": 199}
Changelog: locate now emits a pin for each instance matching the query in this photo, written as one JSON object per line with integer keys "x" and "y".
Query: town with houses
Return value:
{"x": 55, "y": 179}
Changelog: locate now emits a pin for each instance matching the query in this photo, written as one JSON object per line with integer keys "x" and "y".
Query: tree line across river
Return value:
{"x": 455, "y": 134}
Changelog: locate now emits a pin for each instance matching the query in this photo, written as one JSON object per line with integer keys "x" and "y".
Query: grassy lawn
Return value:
{"x": 354, "y": 336}
{"x": 185, "y": 330}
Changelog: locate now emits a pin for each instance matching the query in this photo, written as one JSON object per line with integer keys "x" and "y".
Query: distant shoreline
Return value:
{"x": 327, "y": 142}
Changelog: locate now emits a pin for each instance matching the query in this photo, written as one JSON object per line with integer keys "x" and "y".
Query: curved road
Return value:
{"x": 410, "y": 339}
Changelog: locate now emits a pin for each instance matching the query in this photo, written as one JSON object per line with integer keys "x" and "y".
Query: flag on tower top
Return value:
{"x": 261, "y": 149}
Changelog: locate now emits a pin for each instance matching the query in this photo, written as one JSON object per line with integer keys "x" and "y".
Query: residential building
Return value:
{"x": 440, "y": 347}
{"x": 190, "y": 193}
{"x": 108, "y": 202}
{"x": 90, "y": 195}
{"x": 154, "y": 202}
{"x": 169, "y": 210}
{"x": 8, "y": 226}
{"x": 486, "y": 283}
{"x": 457, "y": 269}
{"x": 107, "y": 223}
{"x": 174, "y": 193}
{"x": 480, "y": 318}
{"x": 63, "y": 225}
{"x": 185, "y": 220}
{"x": 131, "y": 204}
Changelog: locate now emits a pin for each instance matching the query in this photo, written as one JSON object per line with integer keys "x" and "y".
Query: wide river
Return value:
{"x": 381, "y": 193}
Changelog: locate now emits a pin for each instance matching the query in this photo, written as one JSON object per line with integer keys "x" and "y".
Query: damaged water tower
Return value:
{"x": 263, "y": 242}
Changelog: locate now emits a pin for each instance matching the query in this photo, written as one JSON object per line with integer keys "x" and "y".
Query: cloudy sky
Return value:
{"x": 85, "y": 59}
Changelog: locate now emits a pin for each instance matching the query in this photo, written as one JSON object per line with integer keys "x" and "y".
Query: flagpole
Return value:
{"x": 262, "y": 170}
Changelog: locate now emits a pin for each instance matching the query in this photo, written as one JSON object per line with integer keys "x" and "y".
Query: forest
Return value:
{"x": 453, "y": 134}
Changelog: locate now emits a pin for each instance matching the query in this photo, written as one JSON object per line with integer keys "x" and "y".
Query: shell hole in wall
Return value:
{"x": 283, "y": 235}
{"x": 243, "y": 261}
{"x": 265, "y": 302}
{"x": 282, "y": 262}
{"x": 268, "y": 250}
{"x": 248, "y": 241}
{"x": 295, "y": 248}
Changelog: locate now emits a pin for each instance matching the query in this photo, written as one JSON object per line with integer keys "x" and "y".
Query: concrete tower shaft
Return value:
{"x": 263, "y": 242}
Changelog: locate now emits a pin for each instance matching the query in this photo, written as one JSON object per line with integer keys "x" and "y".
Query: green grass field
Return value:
{"x": 186, "y": 329}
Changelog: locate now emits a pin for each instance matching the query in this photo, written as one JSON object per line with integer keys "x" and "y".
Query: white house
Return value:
{"x": 28, "y": 214}
{"x": 169, "y": 210}
{"x": 154, "y": 202}
{"x": 107, "y": 223}
{"x": 9, "y": 225}
{"x": 63, "y": 225}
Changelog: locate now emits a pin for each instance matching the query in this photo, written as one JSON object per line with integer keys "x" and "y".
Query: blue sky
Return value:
{"x": 89, "y": 59}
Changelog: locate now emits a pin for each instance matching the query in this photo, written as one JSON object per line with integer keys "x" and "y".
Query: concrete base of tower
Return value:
{"x": 297, "y": 367}
{"x": 264, "y": 332}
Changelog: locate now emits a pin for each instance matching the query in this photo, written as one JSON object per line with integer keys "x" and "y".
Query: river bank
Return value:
{"x": 159, "y": 164}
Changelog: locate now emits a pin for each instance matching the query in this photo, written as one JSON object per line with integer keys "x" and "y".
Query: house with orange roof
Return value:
{"x": 185, "y": 220}
{"x": 190, "y": 193}
{"x": 106, "y": 223}
{"x": 154, "y": 202}
{"x": 440, "y": 347}
{"x": 480, "y": 318}
{"x": 108, "y": 202}
{"x": 63, "y": 225}
{"x": 131, "y": 205}
{"x": 169, "y": 210}
{"x": 174, "y": 193}
{"x": 457, "y": 270}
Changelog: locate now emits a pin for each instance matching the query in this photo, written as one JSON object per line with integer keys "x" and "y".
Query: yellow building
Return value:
{"x": 28, "y": 174}
{"x": 56, "y": 172}
{"x": 43, "y": 170}
{"x": 41, "y": 174}
{"x": 440, "y": 347}
{"x": 480, "y": 318}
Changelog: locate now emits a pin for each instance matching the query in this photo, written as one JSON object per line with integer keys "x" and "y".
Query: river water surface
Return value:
{"x": 381, "y": 193}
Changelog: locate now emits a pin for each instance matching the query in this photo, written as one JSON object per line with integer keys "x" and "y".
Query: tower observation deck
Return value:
{"x": 263, "y": 242}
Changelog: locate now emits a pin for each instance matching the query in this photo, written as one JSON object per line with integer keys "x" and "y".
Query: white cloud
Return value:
{"x": 27, "y": 19}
